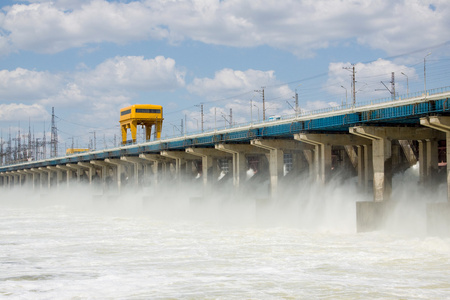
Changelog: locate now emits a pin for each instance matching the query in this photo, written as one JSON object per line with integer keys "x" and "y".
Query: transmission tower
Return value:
{"x": 263, "y": 101}
{"x": 353, "y": 82}
{"x": 54, "y": 136}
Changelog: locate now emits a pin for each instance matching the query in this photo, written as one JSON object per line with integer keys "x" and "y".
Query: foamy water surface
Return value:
{"x": 69, "y": 245}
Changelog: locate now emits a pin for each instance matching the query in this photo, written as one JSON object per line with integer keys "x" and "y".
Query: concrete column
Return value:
{"x": 44, "y": 173}
{"x": 77, "y": 169}
{"x": 58, "y": 174}
{"x": 118, "y": 171}
{"x": 382, "y": 160}
{"x": 276, "y": 150}
{"x": 381, "y": 138}
{"x": 309, "y": 155}
{"x": 441, "y": 123}
{"x": 91, "y": 170}
{"x": 157, "y": 160}
{"x": 239, "y": 159}
{"x": 438, "y": 214}
{"x": 32, "y": 174}
{"x": 432, "y": 157}
{"x": 180, "y": 158}
{"x": 137, "y": 162}
{"x": 22, "y": 177}
{"x": 41, "y": 176}
{"x": 68, "y": 173}
{"x": 361, "y": 166}
{"x": 105, "y": 170}
{"x": 368, "y": 166}
{"x": 423, "y": 160}
{"x": 209, "y": 159}
{"x": 323, "y": 144}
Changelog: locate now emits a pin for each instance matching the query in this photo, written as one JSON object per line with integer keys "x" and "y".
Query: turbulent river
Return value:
{"x": 70, "y": 245}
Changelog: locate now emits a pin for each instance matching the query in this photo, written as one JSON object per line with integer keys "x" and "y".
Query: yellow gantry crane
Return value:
{"x": 145, "y": 115}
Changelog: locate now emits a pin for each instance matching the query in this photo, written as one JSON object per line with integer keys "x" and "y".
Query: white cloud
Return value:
{"x": 48, "y": 28}
{"x": 301, "y": 27}
{"x": 113, "y": 81}
{"x": 228, "y": 82}
{"x": 27, "y": 85}
{"x": 134, "y": 72}
{"x": 22, "y": 112}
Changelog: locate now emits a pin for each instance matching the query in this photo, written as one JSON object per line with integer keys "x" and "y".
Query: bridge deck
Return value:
{"x": 405, "y": 112}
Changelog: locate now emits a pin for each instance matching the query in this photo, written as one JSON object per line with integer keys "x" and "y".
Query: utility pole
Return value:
{"x": 263, "y": 101}
{"x": 201, "y": 108}
{"x": 54, "y": 136}
{"x": 392, "y": 90}
{"x": 201, "y": 114}
{"x": 29, "y": 154}
{"x": 19, "y": 146}
{"x": 296, "y": 103}
{"x": 181, "y": 127}
{"x": 393, "y": 85}
{"x": 44, "y": 147}
{"x": 231, "y": 117}
{"x": 407, "y": 83}
{"x": 353, "y": 82}
{"x": 425, "y": 72}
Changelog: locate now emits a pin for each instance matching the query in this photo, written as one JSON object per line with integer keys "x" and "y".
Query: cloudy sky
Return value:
{"x": 89, "y": 58}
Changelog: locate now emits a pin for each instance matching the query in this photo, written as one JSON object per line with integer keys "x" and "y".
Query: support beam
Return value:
{"x": 181, "y": 158}
{"x": 91, "y": 170}
{"x": 209, "y": 161}
{"x": 239, "y": 160}
{"x": 137, "y": 162}
{"x": 48, "y": 172}
{"x": 77, "y": 168}
{"x": 105, "y": 170}
{"x": 382, "y": 159}
{"x": 119, "y": 169}
{"x": 58, "y": 174}
{"x": 157, "y": 160}
{"x": 68, "y": 173}
{"x": 441, "y": 123}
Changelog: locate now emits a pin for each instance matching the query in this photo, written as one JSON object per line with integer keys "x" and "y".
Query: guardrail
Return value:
{"x": 283, "y": 119}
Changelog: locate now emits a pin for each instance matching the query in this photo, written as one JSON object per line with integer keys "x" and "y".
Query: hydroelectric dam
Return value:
{"x": 371, "y": 141}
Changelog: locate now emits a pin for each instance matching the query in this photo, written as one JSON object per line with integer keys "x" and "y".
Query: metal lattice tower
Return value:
{"x": 54, "y": 136}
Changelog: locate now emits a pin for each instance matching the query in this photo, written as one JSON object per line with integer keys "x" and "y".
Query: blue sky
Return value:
{"x": 89, "y": 58}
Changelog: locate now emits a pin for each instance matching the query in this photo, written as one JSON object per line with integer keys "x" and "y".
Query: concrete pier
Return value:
{"x": 372, "y": 142}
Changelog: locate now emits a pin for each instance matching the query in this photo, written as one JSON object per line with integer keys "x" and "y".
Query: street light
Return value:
{"x": 345, "y": 94}
{"x": 425, "y": 72}
{"x": 407, "y": 83}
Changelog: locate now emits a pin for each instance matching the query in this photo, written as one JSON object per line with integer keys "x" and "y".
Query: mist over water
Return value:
{"x": 173, "y": 242}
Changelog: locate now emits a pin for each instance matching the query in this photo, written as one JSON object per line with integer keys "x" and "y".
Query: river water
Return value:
{"x": 70, "y": 245}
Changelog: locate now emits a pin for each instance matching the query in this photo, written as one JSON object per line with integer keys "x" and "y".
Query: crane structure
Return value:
{"x": 145, "y": 115}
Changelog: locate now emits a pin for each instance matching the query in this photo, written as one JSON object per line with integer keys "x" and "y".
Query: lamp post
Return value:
{"x": 345, "y": 94}
{"x": 407, "y": 83}
{"x": 425, "y": 72}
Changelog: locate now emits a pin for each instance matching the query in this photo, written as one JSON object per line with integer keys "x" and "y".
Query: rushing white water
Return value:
{"x": 69, "y": 245}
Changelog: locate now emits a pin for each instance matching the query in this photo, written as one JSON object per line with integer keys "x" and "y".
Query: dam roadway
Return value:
{"x": 369, "y": 140}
